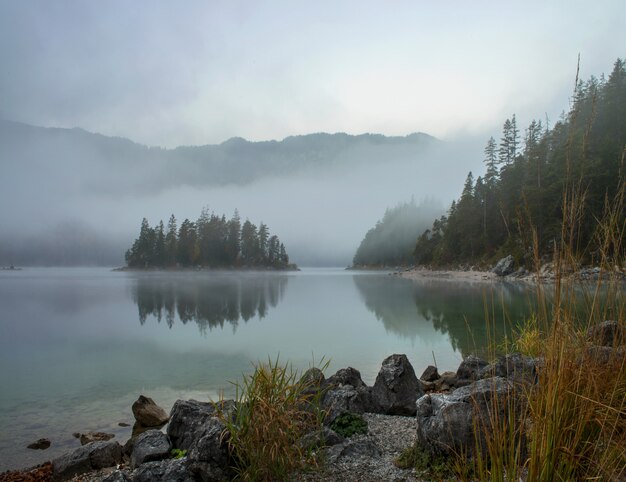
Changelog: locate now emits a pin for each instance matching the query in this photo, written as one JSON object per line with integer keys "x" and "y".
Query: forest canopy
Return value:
{"x": 212, "y": 241}
{"x": 528, "y": 176}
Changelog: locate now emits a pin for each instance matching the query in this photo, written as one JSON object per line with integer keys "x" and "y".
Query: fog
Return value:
{"x": 71, "y": 197}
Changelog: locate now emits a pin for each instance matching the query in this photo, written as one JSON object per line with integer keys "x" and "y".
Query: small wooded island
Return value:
{"x": 210, "y": 242}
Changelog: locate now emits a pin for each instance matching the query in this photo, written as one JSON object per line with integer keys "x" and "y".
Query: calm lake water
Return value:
{"x": 78, "y": 346}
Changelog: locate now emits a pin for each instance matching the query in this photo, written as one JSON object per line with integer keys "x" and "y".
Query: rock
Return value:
{"x": 446, "y": 381}
{"x": 148, "y": 413}
{"x": 607, "y": 333}
{"x": 446, "y": 422}
{"x": 346, "y": 376}
{"x": 320, "y": 438}
{"x": 89, "y": 437}
{"x": 313, "y": 378}
{"x": 188, "y": 419}
{"x": 150, "y": 446}
{"x": 93, "y": 456}
{"x": 606, "y": 354}
{"x": 505, "y": 266}
{"x": 123, "y": 424}
{"x": 396, "y": 387}
{"x": 427, "y": 386}
{"x": 118, "y": 476}
{"x": 363, "y": 448}
{"x": 515, "y": 367}
{"x": 469, "y": 370}
{"x": 430, "y": 374}
{"x": 173, "y": 470}
{"x": 209, "y": 458}
{"x": 346, "y": 398}
{"x": 41, "y": 444}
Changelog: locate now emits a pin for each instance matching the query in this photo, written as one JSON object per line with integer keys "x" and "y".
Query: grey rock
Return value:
{"x": 325, "y": 437}
{"x": 188, "y": 419}
{"x": 514, "y": 366}
{"x": 150, "y": 446}
{"x": 354, "y": 449}
{"x": 446, "y": 422}
{"x": 469, "y": 369}
{"x": 173, "y": 470}
{"x": 606, "y": 354}
{"x": 346, "y": 398}
{"x": 93, "y": 456}
{"x": 346, "y": 376}
{"x": 118, "y": 476}
{"x": 396, "y": 387}
{"x": 505, "y": 266}
{"x": 148, "y": 413}
{"x": 208, "y": 457}
{"x": 430, "y": 374}
{"x": 607, "y": 333}
{"x": 313, "y": 378}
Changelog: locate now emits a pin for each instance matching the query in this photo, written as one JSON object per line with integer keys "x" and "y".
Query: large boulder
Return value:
{"x": 93, "y": 456}
{"x": 505, "y": 266}
{"x": 396, "y": 387}
{"x": 346, "y": 376}
{"x": 346, "y": 398}
{"x": 148, "y": 413}
{"x": 187, "y": 420}
{"x": 173, "y": 470}
{"x": 446, "y": 423}
{"x": 514, "y": 366}
{"x": 469, "y": 370}
{"x": 209, "y": 458}
{"x": 150, "y": 446}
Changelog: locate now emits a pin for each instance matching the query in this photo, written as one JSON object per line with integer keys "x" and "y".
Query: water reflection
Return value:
{"x": 210, "y": 301}
{"x": 454, "y": 309}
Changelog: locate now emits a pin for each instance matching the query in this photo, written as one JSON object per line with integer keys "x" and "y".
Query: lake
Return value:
{"x": 78, "y": 346}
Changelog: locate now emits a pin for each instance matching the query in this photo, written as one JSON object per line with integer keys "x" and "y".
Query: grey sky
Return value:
{"x": 196, "y": 72}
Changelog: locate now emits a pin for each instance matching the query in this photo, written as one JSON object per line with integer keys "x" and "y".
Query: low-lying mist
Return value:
{"x": 66, "y": 202}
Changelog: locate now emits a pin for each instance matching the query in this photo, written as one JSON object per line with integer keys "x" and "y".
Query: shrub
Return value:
{"x": 348, "y": 424}
{"x": 275, "y": 408}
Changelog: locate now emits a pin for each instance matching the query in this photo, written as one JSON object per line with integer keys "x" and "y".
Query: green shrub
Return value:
{"x": 348, "y": 424}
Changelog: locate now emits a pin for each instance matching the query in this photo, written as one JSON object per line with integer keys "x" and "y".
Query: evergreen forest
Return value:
{"x": 210, "y": 242}
{"x": 532, "y": 177}
{"x": 392, "y": 241}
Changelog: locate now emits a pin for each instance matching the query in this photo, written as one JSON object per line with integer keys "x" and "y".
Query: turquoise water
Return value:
{"x": 78, "y": 346}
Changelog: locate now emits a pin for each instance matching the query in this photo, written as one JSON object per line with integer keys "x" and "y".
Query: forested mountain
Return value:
{"x": 392, "y": 241}
{"x": 211, "y": 241}
{"x": 527, "y": 175}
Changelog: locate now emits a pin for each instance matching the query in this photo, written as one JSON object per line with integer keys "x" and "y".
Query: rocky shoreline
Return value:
{"x": 436, "y": 410}
{"x": 505, "y": 270}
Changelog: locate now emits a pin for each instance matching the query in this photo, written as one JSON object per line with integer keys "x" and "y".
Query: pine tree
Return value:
{"x": 171, "y": 242}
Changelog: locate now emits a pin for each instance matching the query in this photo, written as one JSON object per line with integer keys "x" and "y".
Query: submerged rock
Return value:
{"x": 89, "y": 437}
{"x": 41, "y": 444}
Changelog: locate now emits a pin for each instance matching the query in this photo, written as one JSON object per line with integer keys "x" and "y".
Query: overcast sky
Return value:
{"x": 197, "y": 72}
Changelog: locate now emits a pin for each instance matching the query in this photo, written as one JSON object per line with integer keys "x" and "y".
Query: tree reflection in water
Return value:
{"x": 211, "y": 300}
{"x": 458, "y": 309}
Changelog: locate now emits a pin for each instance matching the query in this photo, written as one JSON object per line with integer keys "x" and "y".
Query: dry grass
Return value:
{"x": 275, "y": 408}
{"x": 573, "y": 425}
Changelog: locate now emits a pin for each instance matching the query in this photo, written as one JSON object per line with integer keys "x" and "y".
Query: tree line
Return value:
{"x": 527, "y": 176}
{"x": 211, "y": 241}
